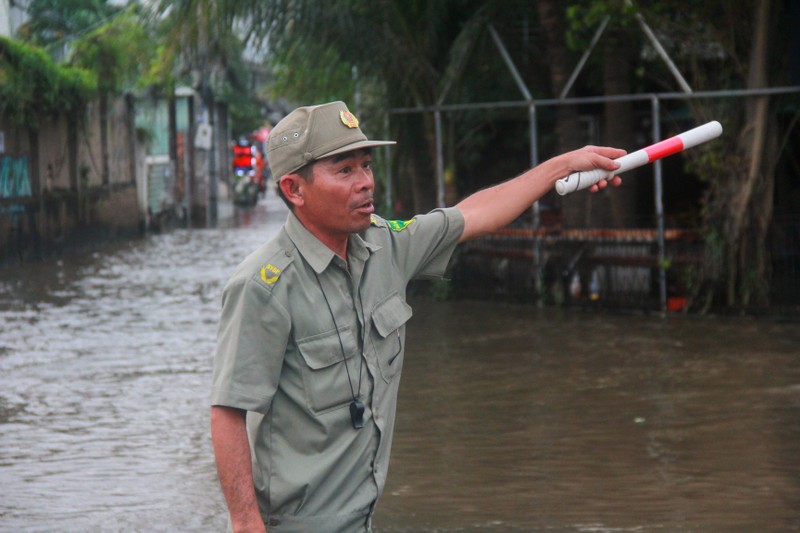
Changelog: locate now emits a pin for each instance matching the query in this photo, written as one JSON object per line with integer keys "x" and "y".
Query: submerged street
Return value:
{"x": 510, "y": 418}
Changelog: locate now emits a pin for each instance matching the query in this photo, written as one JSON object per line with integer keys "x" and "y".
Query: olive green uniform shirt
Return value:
{"x": 301, "y": 332}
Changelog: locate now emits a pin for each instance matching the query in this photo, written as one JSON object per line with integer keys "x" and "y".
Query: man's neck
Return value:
{"x": 337, "y": 243}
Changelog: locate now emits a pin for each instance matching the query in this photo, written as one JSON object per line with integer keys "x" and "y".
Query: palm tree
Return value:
{"x": 405, "y": 54}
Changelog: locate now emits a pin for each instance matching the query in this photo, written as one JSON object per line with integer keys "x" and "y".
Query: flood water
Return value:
{"x": 510, "y": 418}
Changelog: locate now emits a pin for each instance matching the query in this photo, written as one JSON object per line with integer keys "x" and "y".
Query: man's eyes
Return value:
{"x": 348, "y": 169}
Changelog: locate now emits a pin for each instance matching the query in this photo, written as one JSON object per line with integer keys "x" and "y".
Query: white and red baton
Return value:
{"x": 688, "y": 139}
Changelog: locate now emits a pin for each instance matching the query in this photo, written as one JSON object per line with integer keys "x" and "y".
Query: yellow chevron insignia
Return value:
{"x": 270, "y": 274}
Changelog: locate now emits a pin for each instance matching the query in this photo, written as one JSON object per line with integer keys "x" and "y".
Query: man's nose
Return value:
{"x": 365, "y": 179}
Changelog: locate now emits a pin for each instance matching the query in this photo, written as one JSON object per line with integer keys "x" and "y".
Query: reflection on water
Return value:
{"x": 515, "y": 419}
{"x": 105, "y": 363}
{"x": 510, "y": 418}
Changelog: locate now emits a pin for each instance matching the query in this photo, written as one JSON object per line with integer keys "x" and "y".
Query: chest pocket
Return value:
{"x": 325, "y": 377}
{"x": 387, "y": 335}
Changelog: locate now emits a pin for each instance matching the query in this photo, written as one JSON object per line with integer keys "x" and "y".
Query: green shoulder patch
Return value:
{"x": 399, "y": 225}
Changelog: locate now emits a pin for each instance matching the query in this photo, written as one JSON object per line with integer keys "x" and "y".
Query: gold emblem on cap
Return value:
{"x": 348, "y": 119}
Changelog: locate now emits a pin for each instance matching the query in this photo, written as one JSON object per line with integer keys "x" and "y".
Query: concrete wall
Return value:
{"x": 92, "y": 179}
{"x": 71, "y": 204}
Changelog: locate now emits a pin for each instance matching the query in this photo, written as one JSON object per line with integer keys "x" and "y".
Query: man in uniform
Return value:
{"x": 312, "y": 334}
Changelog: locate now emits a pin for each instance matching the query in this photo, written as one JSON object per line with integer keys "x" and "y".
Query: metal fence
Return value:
{"x": 633, "y": 267}
{"x": 612, "y": 268}
{"x": 546, "y": 241}
{"x": 609, "y": 267}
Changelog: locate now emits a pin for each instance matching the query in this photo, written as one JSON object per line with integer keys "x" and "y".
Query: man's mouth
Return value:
{"x": 365, "y": 206}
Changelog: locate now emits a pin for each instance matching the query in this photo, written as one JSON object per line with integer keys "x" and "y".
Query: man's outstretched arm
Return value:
{"x": 232, "y": 452}
{"x": 494, "y": 208}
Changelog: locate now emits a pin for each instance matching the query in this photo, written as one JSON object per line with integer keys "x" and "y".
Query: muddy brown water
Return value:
{"x": 511, "y": 418}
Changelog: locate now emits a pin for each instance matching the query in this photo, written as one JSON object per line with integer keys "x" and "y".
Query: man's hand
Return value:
{"x": 585, "y": 159}
{"x": 588, "y": 158}
{"x": 616, "y": 181}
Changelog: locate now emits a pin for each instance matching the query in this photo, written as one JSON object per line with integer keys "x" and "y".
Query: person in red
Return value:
{"x": 243, "y": 156}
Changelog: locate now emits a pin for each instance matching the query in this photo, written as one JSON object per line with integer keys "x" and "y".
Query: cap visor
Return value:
{"x": 356, "y": 146}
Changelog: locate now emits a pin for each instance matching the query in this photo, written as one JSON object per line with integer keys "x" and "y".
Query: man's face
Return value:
{"x": 338, "y": 200}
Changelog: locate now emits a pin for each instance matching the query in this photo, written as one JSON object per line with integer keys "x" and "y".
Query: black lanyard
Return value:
{"x": 356, "y": 406}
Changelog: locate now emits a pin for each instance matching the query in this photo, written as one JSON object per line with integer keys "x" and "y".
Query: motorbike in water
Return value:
{"x": 248, "y": 179}
{"x": 245, "y": 186}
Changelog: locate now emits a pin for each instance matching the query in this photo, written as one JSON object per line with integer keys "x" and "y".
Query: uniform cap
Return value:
{"x": 314, "y": 132}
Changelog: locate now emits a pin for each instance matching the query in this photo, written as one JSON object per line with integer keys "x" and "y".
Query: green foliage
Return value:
{"x": 107, "y": 59}
{"x": 245, "y": 112}
{"x": 585, "y": 16}
{"x": 159, "y": 74}
{"x": 200, "y": 45}
{"x": 32, "y": 86}
{"x": 116, "y": 52}
{"x": 199, "y": 37}
{"x": 54, "y": 20}
{"x": 414, "y": 47}
{"x": 407, "y": 53}
{"x": 310, "y": 72}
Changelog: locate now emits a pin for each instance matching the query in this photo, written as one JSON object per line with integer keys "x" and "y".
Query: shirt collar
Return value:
{"x": 319, "y": 256}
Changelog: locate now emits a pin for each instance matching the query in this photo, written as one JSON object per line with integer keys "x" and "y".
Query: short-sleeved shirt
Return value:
{"x": 302, "y": 332}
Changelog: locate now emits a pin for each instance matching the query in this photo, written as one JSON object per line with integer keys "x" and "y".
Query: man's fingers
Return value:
{"x": 616, "y": 181}
{"x": 607, "y": 151}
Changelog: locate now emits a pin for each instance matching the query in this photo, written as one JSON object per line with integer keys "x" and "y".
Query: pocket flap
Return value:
{"x": 390, "y": 315}
{"x": 323, "y": 350}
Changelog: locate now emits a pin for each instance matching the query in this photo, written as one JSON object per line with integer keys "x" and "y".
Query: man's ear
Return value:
{"x": 292, "y": 187}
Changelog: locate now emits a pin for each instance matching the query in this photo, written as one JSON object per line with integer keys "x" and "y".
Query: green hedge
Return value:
{"x": 33, "y": 86}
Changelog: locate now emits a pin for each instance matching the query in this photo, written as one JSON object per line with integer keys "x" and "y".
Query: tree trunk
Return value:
{"x": 618, "y": 208}
{"x": 553, "y": 22}
{"x": 740, "y": 204}
{"x": 751, "y": 205}
{"x": 104, "y": 155}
